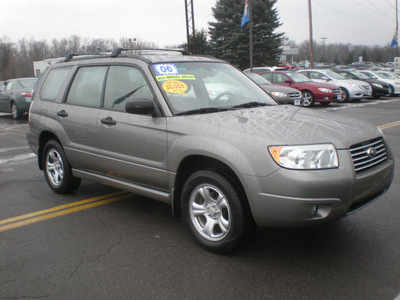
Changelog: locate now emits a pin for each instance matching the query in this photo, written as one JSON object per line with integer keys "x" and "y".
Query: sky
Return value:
{"x": 358, "y": 22}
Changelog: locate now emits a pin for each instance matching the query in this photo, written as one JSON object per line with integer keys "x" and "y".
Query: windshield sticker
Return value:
{"x": 175, "y": 87}
{"x": 175, "y": 77}
{"x": 166, "y": 69}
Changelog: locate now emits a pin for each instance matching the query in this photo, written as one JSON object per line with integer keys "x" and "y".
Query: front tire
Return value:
{"x": 213, "y": 212}
{"x": 57, "y": 171}
{"x": 346, "y": 96}
{"x": 308, "y": 98}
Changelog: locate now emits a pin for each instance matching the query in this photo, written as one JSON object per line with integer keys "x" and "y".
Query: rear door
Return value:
{"x": 77, "y": 115}
{"x": 5, "y": 96}
{"x": 131, "y": 147}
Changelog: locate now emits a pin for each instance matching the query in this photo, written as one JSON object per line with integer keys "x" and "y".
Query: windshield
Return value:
{"x": 201, "y": 87}
{"x": 297, "y": 77}
{"x": 360, "y": 75}
{"x": 334, "y": 75}
{"x": 257, "y": 78}
{"x": 370, "y": 75}
{"x": 386, "y": 75}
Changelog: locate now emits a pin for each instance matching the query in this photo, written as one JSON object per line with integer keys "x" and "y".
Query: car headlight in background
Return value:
{"x": 279, "y": 95}
{"x": 305, "y": 157}
{"x": 377, "y": 85}
{"x": 324, "y": 90}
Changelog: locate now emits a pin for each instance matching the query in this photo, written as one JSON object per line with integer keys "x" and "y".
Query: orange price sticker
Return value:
{"x": 175, "y": 87}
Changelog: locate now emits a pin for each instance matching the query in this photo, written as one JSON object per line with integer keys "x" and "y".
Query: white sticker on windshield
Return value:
{"x": 166, "y": 69}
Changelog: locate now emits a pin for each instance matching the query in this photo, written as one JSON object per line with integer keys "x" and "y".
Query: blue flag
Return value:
{"x": 246, "y": 16}
{"x": 395, "y": 39}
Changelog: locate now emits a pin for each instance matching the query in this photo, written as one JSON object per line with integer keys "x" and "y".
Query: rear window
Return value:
{"x": 53, "y": 83}
{"x": 27, "y": 83}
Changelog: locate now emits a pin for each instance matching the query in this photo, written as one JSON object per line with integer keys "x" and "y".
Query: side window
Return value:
{"x": 10, "y": 86}
{"x": 279, "y": 78}
{"x": 124, "y": 83}
{"x": 53, "y": 83}
{"x": 87, "y": 86}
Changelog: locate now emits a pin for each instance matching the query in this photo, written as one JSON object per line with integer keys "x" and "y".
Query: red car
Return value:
{"x": 312, "y": 91}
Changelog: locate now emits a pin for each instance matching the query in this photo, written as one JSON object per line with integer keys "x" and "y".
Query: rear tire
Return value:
{"x": 213, "y": 212}
{"x": 15, "y": 114}
{"x": 57, "y": 171}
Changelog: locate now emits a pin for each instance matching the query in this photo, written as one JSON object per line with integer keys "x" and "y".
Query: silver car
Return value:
{"x": 198, "y": 134}
{"x": 352, "y": 89}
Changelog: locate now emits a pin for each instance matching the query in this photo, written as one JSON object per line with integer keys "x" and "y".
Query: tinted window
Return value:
{"x": 53, "y": 83}
{"x": 87, "y": 86}
{"x": 123, "y": 84}
{"x": 267, "y": 76}
{"x": 27, "y": 83}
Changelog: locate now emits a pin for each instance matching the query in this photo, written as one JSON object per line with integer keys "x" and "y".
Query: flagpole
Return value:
{"x": 251, "y": 33}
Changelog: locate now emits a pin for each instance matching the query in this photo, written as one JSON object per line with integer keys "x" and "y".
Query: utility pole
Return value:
{"x": 190, "y": 25}
{"x": 323, "y": 49}
{"x": 251, "y": 34}
{"x": 311, "y": 35}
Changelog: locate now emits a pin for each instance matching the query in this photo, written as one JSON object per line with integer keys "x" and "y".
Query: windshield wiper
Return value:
{"x": 250, "y": 105}
{"x": 205, "y": 110}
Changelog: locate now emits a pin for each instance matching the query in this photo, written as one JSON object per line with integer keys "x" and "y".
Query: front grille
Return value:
{"x": 337, "y": 91}
{"x": 295, "y": 95}
{"x": 368, "y": 154}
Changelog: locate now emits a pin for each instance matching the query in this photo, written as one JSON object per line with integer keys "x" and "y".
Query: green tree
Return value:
{"x": 230, "y": 42}
{"x": 202, "y": 44}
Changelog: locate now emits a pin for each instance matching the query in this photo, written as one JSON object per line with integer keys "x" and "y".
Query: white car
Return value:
{"x": 394, "y": 83}
{"x": 352, "y": 89}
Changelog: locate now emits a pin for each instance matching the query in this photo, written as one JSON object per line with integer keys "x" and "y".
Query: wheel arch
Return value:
{"x": 194, "y": 163}
{"x": 44, "y": 137}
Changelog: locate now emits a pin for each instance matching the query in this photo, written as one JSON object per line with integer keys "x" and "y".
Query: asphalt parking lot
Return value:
{"x": 102, "y": 243}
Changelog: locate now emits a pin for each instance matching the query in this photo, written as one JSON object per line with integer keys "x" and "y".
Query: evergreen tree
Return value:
{"x": 231, "y": 43}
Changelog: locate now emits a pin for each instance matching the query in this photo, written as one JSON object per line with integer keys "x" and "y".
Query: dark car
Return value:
{"x": 16, "y": 97}
{"x": 312, "y": 91}
{"x": 281, "y": 94}
{"x": 379, "y": 88}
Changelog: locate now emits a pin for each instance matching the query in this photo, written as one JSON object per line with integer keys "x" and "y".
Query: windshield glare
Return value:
{"x": 190, "y": 86}
{"x": 334, "y": 75}
{"x": 297, "y": 77}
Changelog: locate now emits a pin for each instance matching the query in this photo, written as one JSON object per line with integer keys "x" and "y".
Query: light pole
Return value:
{"x": 323, "y": 47}
{"x": 311, "y": 35}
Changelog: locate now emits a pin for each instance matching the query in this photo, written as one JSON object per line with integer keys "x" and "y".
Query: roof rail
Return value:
{"x": 71, "y": 55}
{"x": 118, "y": 51}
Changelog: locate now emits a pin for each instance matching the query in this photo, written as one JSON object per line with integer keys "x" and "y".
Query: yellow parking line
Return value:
{"x": 58, "y": 211}
{"x": 390, "y": 125}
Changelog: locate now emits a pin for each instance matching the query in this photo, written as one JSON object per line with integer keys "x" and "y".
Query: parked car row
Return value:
{"x": 325, "y": 86}
{"x": 15, "y": 96}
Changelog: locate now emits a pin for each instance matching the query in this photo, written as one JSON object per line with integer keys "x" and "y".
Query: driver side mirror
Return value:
{"x": 325, "y": 78}
{"x": 289, "y": 81}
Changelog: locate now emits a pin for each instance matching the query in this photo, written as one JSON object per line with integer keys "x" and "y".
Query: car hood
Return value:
{"x": 281, "y": 125}
{"x": 319, "y": 84}
{"x": 278, "y": 88}
{"x": 349, "y": 82}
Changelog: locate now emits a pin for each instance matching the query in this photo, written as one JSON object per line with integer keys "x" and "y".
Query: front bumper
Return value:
{"x": 290, "y": 198}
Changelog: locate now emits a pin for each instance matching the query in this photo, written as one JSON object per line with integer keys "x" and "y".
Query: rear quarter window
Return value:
{"x": 54, "y": 81}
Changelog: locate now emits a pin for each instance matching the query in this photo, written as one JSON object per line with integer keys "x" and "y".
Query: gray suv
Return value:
{"x": 198, "y": 134}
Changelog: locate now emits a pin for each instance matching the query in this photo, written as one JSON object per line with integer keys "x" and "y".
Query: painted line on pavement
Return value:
{"x": 62, "y": 210}
{"x": 390, "y": 125}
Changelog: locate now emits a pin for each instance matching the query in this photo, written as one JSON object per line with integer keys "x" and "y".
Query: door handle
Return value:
{"x": 62, "y": 113}
{"x": 108, "y": 121}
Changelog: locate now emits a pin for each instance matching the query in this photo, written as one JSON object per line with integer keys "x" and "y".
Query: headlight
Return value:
{"x": 279, "y": 94}
{"x": 377, "y": 85}
{"x": 305, "y": 157}
{"x": 325, "y": 90}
